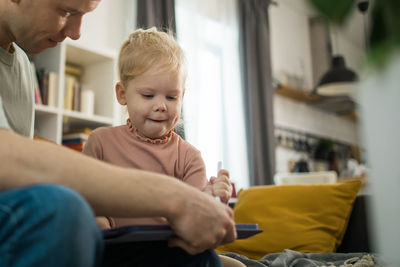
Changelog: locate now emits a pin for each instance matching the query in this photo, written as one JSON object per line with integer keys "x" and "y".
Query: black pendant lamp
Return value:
{"x": 339, "y": 80}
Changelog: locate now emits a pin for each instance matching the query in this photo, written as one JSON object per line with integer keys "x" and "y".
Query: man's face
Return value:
{"x": 44, "y": 23}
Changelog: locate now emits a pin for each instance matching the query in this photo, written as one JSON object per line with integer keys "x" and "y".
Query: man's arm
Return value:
{"x": 198, "y": 219}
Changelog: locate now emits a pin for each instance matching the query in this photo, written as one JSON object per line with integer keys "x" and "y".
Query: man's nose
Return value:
{"x": 72, "y": 28}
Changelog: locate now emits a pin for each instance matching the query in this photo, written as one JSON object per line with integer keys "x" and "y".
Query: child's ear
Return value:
{"x": 120, "y": 91}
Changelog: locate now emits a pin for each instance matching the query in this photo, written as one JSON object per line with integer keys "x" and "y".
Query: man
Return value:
{"x": 44, "y": 222}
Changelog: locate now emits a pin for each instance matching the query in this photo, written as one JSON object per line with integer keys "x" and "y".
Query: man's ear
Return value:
{"x": 120, "y": 91}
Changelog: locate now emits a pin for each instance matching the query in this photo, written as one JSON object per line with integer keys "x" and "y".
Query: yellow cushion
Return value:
{"x": 306, "y": 218}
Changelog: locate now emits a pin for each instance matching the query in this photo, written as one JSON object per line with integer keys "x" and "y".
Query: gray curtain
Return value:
{"x": 257, "y": 88}
{"x": 158, "y": 13}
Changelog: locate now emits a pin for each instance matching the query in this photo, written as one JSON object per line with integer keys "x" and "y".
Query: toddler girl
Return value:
{"x": 152, "y": 85}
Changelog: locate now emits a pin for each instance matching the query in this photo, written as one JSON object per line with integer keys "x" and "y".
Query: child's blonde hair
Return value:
{"x": 147, "y": 48}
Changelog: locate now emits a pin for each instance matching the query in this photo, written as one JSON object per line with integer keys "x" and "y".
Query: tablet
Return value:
{"x": 136, "y": 233}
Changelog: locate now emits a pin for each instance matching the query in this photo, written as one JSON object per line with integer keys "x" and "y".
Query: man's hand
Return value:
{"x": 202, "y": 223}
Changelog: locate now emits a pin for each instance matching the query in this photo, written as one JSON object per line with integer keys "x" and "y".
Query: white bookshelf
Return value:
{"x": 98, "y": 74}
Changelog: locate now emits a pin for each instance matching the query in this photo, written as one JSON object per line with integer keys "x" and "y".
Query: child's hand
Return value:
{"x": 220, "y": 187}
{"x": 103, "y": 222}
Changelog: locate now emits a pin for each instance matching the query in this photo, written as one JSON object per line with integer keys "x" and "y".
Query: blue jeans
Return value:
{"x": 47, "y": 225}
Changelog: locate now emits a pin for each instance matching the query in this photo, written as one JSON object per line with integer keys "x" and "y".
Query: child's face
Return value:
{"x": 154, "y": 101}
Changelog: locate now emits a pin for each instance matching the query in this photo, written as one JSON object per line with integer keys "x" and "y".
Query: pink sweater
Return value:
{"x": 171, "y": 155}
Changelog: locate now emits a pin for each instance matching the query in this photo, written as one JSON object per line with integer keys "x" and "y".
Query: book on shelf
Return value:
{"x": 74, "y": 143}
{"x": 72, "y": 97}
{"x": 87, "y": 131}
{"x": 42, "y": 85}
{"x": 46, "y": 91}
{"x": 75, "y": 136}
{"x": 73, "y": 70}
{"x": 76, "y": 139}
{"x": 76, "y": 97}
{"x": 72, "y": 93}
{"x": 75, "y": 146}
{"x": 52, "y": 89}
{"x": 38, "y": 98}
{"x": 69, "y": 91}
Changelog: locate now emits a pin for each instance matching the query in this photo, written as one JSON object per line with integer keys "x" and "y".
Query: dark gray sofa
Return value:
{"x": 357, "y": 237}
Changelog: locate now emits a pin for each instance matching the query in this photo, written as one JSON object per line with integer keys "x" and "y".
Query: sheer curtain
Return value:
{"x": 213, "y": 105}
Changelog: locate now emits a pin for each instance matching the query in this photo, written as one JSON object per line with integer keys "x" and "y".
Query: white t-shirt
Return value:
{"x": 16, "y": 91}
{"x": 3, "y": 119}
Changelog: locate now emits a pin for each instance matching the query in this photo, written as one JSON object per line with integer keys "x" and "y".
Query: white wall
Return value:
{"x": 290, "y": 45}
{"x": 290, "y": 52}
{"x": 109, "y": 24}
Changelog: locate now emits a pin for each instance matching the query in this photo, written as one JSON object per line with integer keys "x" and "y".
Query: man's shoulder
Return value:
{"x": 23, "y": 60}
{"x": 15, "y": 55}
{"x": 20, "y": 53}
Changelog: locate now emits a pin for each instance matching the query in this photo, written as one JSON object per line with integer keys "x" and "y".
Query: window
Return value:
{"x": 213, "y": 105}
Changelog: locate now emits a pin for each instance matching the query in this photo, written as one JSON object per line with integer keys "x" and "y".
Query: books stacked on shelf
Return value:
{"x": 72, "y": 91}
{"x": 46, "y": 86}
{"x": 76, "y": 139}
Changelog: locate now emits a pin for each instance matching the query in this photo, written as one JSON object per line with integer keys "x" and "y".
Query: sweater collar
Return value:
{"x": 161, "y": 140}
